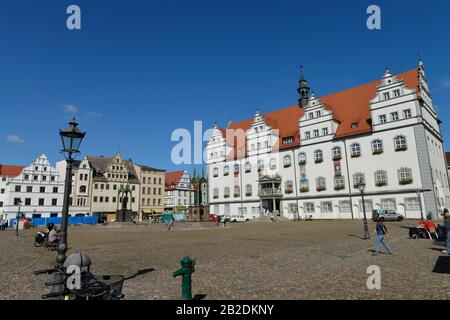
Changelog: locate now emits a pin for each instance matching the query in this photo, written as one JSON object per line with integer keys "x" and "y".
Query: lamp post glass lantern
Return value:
{"x": 71, "y": 138}
{"x": 362, "y": 188}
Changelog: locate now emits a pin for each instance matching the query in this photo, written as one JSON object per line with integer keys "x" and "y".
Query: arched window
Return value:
{"x": 215, "y": 172}
{"x": 320, "y": 184}
{"x": 236, "y": 169}
{"x": 302, "y": 158}
{"x": 248, "y": 190}
{"x": 304, "y": 185}
{"x": 318, "y": 156}
{"x": 287, "y": 161}
{"x": 216, "y": 193}
{"x": 358, "y": 178}
{"x": 400, "y": 143}
{"x": 226, "y": 192}
{"x": 380, "y": 178}
{"x": 336, "y": 152}
{"x": 405, "y": 176}
{"x": 260, "y": 165}
{"x": 226, "y": 170}
{"x": 237, "y": 191}
{"x": 355, "y": 150}
{"x": 273, "y": 164}
{"x": 339, "y": 183}
{"x": 377, "y": 146}
{"x": 83, "y": 189}
{"x": 288, "y": 186}
{"x": 248, "y": 167}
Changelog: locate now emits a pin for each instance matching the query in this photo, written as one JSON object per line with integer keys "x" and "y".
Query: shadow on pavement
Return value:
{"x": 442, "y": 265}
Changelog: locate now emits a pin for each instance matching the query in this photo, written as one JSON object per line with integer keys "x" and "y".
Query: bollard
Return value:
{"x": 186, "y": 271}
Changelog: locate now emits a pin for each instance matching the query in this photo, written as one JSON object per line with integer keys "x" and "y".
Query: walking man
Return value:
{"x": 447, "y": 229}
{"x": 171, "y": 222}
{"x": 381, "y": 231}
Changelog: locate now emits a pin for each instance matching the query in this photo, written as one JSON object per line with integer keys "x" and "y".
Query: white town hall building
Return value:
{"x": 308, "y": 159}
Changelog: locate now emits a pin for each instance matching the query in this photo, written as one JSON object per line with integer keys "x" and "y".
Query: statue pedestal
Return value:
{"x": 124, "y": 215}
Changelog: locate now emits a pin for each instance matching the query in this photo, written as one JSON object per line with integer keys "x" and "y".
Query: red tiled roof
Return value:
{"x": 348, "y": 107}
{"x": 10, "y": 171}
{"x": 172, "y": 178}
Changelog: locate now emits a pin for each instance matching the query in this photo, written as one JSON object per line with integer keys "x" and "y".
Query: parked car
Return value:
{"x": 388, "y": 215}
{"x": 213, "y": 217}
{"x": 238, "y": 218}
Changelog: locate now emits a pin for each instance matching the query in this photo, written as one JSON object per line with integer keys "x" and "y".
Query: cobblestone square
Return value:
{"x": 253, "y": 260}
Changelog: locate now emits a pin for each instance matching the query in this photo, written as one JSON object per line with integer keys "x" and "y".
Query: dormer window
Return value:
{"x": 354, "y": 125}
{"x": 318, "y": 113}
{"x": 307, "y": 135}
{"x": 386, "y": 96}
{"x": 310, "y": 115}
{"x": 288, "y": 140}
{"x": 396, "y": 93}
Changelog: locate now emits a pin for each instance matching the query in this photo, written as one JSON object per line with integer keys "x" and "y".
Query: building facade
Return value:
{"x": 81, "y": 190}
{"x": 309, "y": 159}
{"x": 110, "y": 176}
{"x": 179, "y": 193}
{"x": 152, "y": 184}
{"x": 7, "y": 172}
{"x": 37, "y": 191}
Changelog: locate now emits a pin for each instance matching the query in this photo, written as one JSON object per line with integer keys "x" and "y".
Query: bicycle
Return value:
{"x": 91, "y": 287}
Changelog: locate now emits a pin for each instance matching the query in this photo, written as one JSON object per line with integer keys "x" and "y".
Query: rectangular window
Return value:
{"x": 42, "y": 189}
{"x": 412, "y": 204}
{"x": 316, "y": 133}
{"x": 309, "y": 207}
{"x": 41, "y": 202}
{"x": 28, "y": 201}
{"x": 407, "y": 113}
{"x": 310, "y": 115}
{"x": 368, "y": 206}
{"x": 382, "y": 118}
{"x": 54, "y": 202}
{"x": 397, "y": 93}
{"x": 95, "y": 199}
{"x": 326, "y": 207}
{"x": 227, "y": 208}
{"x": 318, "y": 113}
{"x": 114, "y": 199}
{"x": 18, "y": 189}
{"x": 307, "y": 135}
{"x": 101, "y": 199}
{"x": 386, "y": 96}
{"x": 394, "y": 116}
{"x": 388, "y": 204}
{"x": 107, "y": 199}
{"x": 44, "y": 178}
{"x": 17, "y": 201}
{"x": 345, "y": 206}
{"x": 2, "y": 191}
{"x": 325, "y": 131}
{"x": 55, "y": 190}
{"x": 1, "y": 204}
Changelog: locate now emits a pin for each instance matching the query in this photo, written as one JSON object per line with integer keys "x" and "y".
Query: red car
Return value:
{"x": 213, "y": 217}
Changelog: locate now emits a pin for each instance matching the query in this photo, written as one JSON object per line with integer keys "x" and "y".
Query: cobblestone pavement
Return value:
{"x": 254, "y": 260}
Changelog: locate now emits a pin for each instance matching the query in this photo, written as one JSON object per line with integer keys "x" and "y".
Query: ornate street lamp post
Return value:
{"x": 362, "y": 187}
{"x": 419, "y": 196}
{"x": 71, "y": 140}
{"x": 19, "y": 203}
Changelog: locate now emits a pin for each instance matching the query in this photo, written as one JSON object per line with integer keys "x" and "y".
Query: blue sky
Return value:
{"x": 137, "y": 70}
